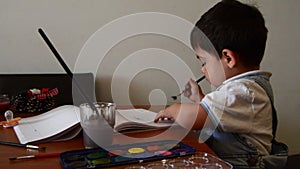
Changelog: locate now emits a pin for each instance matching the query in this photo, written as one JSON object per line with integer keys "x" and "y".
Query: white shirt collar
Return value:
{"x": 247, "y": 74}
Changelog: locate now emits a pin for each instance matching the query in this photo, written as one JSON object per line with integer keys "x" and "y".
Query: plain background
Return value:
{"x": 70, "y": 23}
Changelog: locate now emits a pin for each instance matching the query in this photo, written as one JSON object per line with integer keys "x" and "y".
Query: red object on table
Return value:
{"x": 4, "y": 106}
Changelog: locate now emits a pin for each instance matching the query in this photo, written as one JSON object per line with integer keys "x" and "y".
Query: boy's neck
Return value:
{"x": 240, "y": 70}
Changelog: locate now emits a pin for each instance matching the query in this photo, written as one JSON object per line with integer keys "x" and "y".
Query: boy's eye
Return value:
{"x": 202, "y": 62}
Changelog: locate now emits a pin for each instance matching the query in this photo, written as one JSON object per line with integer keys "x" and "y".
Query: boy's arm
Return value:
{"x": 190, "y": 116}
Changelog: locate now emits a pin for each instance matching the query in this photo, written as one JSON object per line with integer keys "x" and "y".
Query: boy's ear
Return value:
{"x": 229, "y": 57}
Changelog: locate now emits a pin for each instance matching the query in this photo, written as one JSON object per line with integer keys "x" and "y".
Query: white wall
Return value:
{"x": 69, "y": 24}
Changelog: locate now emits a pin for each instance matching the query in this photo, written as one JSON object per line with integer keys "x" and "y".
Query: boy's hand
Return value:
{"x": 193, "y": 91}
{"x": 187, "y": 115}
{"x": 170, "y": 112}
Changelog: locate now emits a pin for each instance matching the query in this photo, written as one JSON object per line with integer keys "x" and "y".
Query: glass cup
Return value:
{"x": 97, "y": 122}
{"x": 4, "y": 102}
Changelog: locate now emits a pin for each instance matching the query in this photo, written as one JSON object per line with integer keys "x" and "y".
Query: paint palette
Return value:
{"x": 124, "y": 154}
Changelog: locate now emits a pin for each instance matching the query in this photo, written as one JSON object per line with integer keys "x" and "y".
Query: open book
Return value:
{"x": 63, "y": 123}
{"x": 137, "y": 119}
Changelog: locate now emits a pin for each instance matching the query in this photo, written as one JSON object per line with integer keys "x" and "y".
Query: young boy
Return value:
{"x": 241, "y": 106}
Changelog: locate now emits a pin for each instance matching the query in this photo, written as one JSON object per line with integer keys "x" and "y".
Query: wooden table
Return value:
{"x": 8, "y": 134}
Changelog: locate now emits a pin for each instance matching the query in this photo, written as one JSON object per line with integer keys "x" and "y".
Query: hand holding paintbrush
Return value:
{"x": 188, "y": 88}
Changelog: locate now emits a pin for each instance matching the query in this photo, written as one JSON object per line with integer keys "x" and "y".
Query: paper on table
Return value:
{"x": 60, "y": 123}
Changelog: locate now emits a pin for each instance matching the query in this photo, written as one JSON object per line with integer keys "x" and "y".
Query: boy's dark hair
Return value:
{"x": 235, "y": 26}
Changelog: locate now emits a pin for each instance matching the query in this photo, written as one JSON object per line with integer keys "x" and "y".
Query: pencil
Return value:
{"x": 36, "y": 156}
{"x": 22, "y": 145}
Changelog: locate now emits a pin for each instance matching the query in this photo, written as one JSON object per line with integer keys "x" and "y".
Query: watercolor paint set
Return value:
{"x": 124, "y": 154}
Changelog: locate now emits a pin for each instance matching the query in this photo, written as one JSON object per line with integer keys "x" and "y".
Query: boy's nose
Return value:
{"x": 203, "y": 70}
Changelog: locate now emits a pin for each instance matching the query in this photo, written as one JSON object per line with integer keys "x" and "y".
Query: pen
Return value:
{"x": 197, "y": 81}
{"x": 36, "y": 156}
{"x": 22, "y": 145}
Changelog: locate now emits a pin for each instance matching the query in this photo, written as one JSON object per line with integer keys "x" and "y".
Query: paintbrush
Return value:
{"x": 22, "y": 145}
{"x": 36, "y": 156}
{"x": 197, "y": 81}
